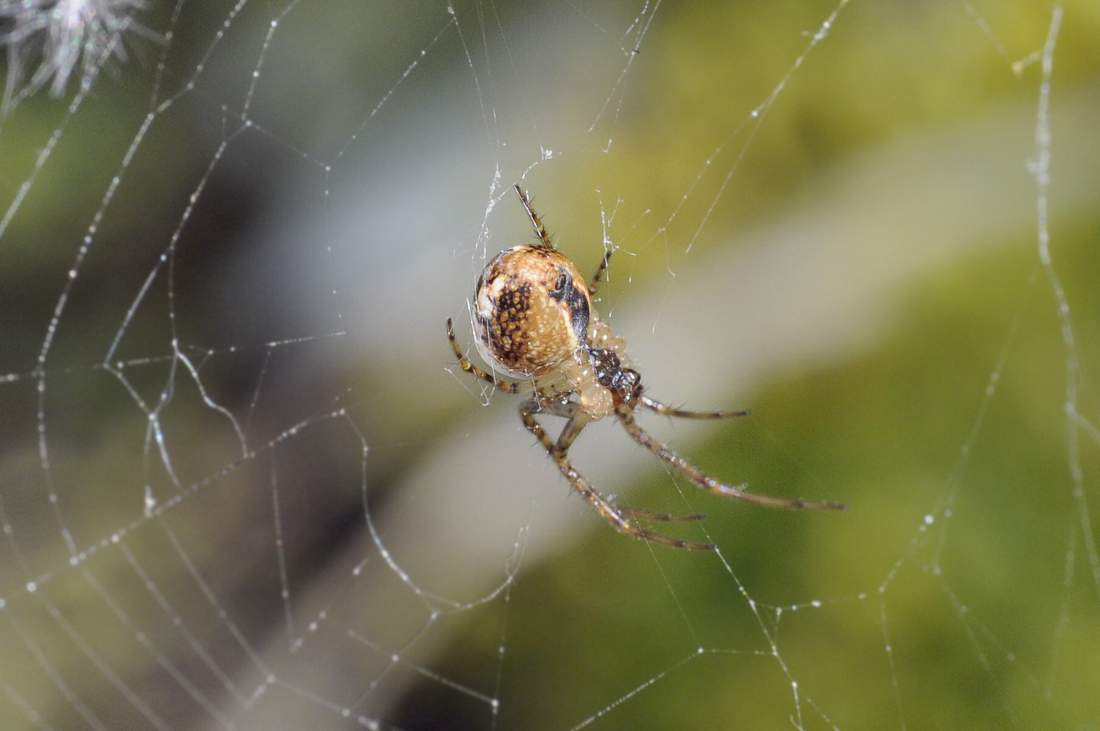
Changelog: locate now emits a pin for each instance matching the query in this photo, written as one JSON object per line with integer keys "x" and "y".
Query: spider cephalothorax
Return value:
{"x": 625, "y": 384}
{"x": 534, "y": 319}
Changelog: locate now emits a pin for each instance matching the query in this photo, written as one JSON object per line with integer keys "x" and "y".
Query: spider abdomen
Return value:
{"x": 531, "y": 310}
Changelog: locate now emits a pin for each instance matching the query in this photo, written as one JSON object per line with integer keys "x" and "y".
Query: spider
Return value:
{"x": 534, "y": 320}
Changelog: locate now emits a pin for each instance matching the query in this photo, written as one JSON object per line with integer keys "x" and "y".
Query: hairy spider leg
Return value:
{"x": 577, "y": 421}
{"x": 697, "y": 476}
{"x": 661, "y": 517}
{"x": 598, "y": 503}
{"x": 472, "y": 369}
{"x": 600, "y": 272}
{"x": 540, "y": 230}
{"x": 666, "y": 410}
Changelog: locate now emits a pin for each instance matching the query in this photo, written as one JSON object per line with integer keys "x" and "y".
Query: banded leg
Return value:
{"x": 540, "y": 230}
{"x": 596, "y": 501}
{"x": 472, "y": 369}
{"x": 708, "y": 483}
{"x": 666, "y": 410}
{"x": 577, "y": 422}
{"x": 600, "y": 272}
{"x": 661, "y": 517}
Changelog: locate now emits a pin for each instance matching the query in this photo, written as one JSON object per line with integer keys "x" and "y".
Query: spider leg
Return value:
{"x": 540, "y": 230}
{"x": 472, "y": 369}
{"x": 556, "y": 403}
{"x": 666, "y": 410}
{"x": 598, "y": 502}
{"x": 661, "y": 517}
{"x": 693, "y": 473}
{"x": 577, "y": 422}
{"x": 600, "y": 272}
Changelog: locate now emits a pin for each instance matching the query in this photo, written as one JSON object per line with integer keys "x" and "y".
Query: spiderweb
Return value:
{"x": 243, "y": 485}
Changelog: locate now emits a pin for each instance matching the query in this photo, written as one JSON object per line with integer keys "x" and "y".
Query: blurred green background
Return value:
{"x": 263, "y": 295}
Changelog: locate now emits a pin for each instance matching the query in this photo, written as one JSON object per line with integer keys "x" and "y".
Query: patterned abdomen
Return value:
{"x": 531, "y": 310}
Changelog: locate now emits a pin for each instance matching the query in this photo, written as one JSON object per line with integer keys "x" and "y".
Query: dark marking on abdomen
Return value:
{"x": 575, "y": 301}
{"x": 578, "y": 313}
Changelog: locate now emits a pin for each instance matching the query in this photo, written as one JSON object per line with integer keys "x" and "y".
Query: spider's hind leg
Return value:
{"x": 601, "y": 272}
{"x": 536, "y": 221}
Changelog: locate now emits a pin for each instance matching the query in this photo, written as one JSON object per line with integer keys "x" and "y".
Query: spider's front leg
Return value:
{"x": 666, "y": 410}
{"x": 705, "y": 481}
{"x": 558, "y": 451}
